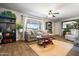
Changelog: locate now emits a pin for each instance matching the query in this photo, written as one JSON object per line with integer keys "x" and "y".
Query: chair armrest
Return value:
{"x": 68, "y": 33}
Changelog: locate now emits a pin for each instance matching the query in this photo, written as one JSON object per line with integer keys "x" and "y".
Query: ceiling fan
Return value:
{"x": 52, "y": 13}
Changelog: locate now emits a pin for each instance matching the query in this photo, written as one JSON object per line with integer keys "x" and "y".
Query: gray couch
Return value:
{"x": 30, "y": 35}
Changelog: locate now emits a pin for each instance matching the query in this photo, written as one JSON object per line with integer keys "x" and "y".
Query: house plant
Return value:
{"x": 67, "y": 29}
{"x": 19, "y": 28}
{"x": 8, "y": 14}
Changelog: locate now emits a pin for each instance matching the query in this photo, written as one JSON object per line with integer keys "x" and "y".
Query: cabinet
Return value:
{"x": 8, "y": 29}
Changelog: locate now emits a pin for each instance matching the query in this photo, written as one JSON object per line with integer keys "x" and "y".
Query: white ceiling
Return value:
{"x": 66, "y": 10}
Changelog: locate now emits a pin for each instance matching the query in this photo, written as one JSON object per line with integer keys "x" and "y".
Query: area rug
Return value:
{"x": 59, "y": 48}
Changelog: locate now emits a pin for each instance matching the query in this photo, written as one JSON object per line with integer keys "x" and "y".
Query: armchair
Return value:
{"x": 30, "y": 35}
{"x": 72, "y": 35}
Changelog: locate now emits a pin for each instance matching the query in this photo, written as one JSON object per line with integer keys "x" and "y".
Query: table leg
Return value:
{"x": 44, "y": 44}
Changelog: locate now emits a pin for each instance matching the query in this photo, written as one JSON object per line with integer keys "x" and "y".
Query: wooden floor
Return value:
{"x": 16, "y": 49}
{"x": 21, "y": 48}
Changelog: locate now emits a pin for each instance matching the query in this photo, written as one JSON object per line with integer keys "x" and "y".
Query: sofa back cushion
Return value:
{"x": 77, "y": 33}
{"x": 74, "y": 32}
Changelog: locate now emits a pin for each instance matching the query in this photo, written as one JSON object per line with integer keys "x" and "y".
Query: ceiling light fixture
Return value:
{"x": 51, "y": 13}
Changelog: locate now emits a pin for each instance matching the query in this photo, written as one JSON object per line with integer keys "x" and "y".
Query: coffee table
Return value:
{"x": 44, "y": 41}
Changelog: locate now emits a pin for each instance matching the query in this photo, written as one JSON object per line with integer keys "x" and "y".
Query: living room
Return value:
{"x": 46, "y": 29}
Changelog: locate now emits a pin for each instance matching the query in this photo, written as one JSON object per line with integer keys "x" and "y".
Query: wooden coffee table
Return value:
{"x": 44, "y": 41}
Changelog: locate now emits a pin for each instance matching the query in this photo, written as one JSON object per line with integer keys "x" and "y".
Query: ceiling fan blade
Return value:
{"x": 50, "y": 10}
{"x": 55, "y": 13}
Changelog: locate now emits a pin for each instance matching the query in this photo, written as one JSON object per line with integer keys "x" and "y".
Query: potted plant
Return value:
{"x": 67, "y": 29}
{"x": 8, "y": 14}
{"x": 76, "y": 25}
{"x": 19, "y": 29}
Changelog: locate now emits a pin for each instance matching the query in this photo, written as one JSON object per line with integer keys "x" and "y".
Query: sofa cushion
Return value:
{"x": 70, "y": 37}
{"x": 73, "y": 31}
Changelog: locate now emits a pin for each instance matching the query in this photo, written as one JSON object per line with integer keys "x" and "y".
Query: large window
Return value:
{"x": 33, "y": 24}
{"x": 68, "y": 23}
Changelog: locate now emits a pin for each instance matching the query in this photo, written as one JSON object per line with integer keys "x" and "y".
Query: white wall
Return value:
{"x": 57, "y": 28}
